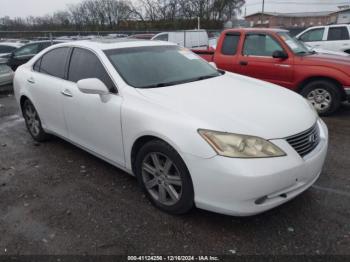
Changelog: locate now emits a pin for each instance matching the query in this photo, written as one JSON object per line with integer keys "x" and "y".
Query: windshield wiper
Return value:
{"x": 164, "y": 84}
{"x": 204, "y": 77}
{"x": 180, "y": 82}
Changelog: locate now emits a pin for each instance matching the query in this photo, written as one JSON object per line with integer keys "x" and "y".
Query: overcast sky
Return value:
{"x": 23, "y": 8}
{"x": 288, "y": 6}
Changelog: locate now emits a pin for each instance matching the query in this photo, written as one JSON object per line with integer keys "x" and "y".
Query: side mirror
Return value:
{"x": 280, "y": 54}
{"x": 92, "y": 86}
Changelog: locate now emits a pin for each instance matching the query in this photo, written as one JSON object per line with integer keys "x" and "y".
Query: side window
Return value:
{"x": 313, "y": 35}
{"x": 36, "y": 66}
{"x": 338, "y": 33}
{"x": 84, "y": 64}
{"x": 6, "y": 49}
{"x": 44, "y": 45}
{"x": 230, "y": 44}
{"x": 260, "y": 45}
{"x": 163, "y": 37}
{"x": 31, "y": 49}
{"x": 54, "y": 62}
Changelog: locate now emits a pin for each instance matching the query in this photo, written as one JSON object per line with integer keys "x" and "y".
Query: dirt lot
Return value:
{"x": 58, "y": 199}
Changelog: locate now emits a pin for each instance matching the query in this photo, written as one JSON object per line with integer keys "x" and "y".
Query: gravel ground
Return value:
{"x": 57, "y": 199}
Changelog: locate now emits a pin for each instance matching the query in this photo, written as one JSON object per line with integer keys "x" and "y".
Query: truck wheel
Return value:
{"x": 164, "y": 177}
{"x": 323, "y": 95}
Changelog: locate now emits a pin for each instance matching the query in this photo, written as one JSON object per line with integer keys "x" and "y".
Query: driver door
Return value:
{"x": 92, "y": 121}
{"x": 256, "y": 60}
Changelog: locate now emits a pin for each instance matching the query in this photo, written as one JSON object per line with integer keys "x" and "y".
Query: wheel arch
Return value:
{"x": 144, "y": 139}
{"x": 22, "y": 100}
{"x": 309, "y": 80}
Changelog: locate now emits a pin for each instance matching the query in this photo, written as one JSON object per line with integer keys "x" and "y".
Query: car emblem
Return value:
{"x": 312, "y": 138}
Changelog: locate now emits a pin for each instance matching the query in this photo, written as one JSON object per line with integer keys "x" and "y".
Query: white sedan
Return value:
{"x": 6, "y": 75}
{"x": 192, "y": 135}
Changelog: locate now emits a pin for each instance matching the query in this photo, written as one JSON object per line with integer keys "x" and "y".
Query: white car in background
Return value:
{"x": 6, "y": 48}
{"x": 191, "y": 134}
{"x": 6, "y": 75}
{"x": 192, "y": 39}
{"x": 333, "y": 38}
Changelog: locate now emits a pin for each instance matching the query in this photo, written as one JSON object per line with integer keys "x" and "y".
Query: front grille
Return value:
{"x": 305, "y": 142}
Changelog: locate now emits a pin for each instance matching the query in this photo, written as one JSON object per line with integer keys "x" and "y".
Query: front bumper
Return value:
{"x": 244, "y": 187}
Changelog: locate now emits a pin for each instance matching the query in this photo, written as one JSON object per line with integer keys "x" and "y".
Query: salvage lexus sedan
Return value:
{"x": 192, "y": 135}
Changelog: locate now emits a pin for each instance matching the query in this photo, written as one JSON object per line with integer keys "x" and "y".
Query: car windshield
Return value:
{"x": 298, "y": 47}
{"x": 159, "y": 66}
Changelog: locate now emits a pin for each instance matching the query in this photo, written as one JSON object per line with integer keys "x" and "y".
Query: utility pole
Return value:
{"x": 262, "y": 12}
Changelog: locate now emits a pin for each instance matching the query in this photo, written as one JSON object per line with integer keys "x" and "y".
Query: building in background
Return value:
{"x": 289, "y": 20}
{"x": 341, "y": 17}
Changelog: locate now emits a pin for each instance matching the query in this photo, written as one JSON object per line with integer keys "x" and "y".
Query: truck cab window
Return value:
{"x": 260, "y": 45}
{"x": 230, "y": 44}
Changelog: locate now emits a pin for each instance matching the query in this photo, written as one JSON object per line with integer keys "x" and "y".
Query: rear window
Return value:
{"x": 53, "y": 63}
{"x": 163, "y": 37}
{"x": 6, "y": 49}
{"x": 338, "y": 33}
{"x": 230, "y": 44}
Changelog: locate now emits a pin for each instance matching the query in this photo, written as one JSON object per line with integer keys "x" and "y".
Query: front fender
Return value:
{"x": 141, "y": 118}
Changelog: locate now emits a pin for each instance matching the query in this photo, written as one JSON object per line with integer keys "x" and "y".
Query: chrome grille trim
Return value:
{"x": 305, "y": 142}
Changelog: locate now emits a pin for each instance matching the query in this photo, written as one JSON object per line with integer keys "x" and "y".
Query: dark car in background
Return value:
{"x": 23, "y": 54}
{"x": 142, "y": 36}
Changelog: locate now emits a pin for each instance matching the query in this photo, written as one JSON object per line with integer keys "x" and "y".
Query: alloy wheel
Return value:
{"x": 32, "y": 119}
{"x": 321, "y": 99}
{"x": 162, "y": 178}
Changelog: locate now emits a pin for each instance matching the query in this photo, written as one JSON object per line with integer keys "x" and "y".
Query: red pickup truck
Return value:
{"x": 274, "y": 56}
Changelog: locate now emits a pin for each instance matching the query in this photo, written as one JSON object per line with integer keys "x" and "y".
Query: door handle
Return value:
{"x": 66, "y": 92}
{"x": 31, "y": 80}
{"x": 243, "y": 63}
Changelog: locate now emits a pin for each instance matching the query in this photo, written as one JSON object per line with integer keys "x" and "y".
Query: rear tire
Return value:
{"x": 324, "y": 95}
{"x": 164, "y": 177}
{"x": 33, "y": 122}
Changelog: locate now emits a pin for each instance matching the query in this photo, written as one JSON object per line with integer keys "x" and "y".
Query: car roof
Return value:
{"x": 14, "y": 44}
{"x": 107, "y": 44}
{"x": 274, "y": 30}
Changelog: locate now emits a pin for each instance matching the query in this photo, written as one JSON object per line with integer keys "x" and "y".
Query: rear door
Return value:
{"x": 226, "y": 55}
{"x": 338, "y": 38}
{"x": 46, "y": 83}
{"x": 256, "y": 59}
{"x": 93, "y": 122}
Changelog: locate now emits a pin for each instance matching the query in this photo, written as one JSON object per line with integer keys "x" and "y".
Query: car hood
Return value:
{"x": 329, "y": 60}
{"x": 237, "y": 104}
{"x": 329, "y": 52}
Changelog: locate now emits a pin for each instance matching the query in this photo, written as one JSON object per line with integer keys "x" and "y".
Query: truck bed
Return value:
{"x": 208, "y": 55}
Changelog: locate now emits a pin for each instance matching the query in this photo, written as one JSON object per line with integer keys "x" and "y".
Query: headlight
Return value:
{"x": 240, "y": 146}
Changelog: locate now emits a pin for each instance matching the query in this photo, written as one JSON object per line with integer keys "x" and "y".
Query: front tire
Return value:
{"x": 33, "y": 122}
{"x": 323, "y": 95}
{"x": 164, "y": 177}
